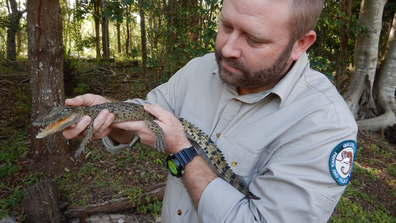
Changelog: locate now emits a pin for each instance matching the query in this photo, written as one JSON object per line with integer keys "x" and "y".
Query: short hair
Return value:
{"x": 303, "y": 17}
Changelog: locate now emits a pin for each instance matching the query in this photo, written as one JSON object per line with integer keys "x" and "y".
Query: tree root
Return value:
{"x": 377, "y": 123}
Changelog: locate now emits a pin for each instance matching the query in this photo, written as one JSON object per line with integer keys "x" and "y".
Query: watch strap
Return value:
{"x": 186, "y": 155}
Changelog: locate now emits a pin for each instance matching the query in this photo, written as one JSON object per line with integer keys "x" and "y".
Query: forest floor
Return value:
{"x": 99, "y": 176}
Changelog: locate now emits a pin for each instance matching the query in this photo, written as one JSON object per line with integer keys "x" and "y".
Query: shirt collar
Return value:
{"x": 282, "y": 89}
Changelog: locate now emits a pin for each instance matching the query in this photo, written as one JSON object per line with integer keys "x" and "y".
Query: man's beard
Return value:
{"x": 248, "y": 78}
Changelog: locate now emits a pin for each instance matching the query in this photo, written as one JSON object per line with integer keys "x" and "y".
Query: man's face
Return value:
{"x": 253, "y": 43}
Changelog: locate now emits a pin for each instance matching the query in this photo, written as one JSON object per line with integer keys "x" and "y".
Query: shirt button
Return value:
{"x": 218, "y": 135}
{"x": 179, "y": 212}
{"x": 234, "y": 164}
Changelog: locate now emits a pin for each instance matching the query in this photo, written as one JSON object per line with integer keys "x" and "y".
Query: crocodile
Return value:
{"x": 64, "y": 116}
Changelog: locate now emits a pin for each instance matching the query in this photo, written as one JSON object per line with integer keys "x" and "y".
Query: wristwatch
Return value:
{"x": 177, "y": 162}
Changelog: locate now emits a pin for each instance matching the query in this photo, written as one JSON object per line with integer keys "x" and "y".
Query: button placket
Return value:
{"x": 230, "y": 111}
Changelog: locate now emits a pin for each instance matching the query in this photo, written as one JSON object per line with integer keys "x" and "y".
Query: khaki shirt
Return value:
{"x": 278, "y": 142}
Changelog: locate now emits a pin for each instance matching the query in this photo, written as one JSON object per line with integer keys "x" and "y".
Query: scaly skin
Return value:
{"x": 64, "y": 116}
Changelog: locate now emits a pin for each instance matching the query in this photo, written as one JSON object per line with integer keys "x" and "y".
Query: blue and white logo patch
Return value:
{"x": 341, "y": 161}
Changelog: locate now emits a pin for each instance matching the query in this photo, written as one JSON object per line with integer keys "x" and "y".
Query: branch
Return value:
{"x": 377, "y": 123}
{"x": 119, "y": 204}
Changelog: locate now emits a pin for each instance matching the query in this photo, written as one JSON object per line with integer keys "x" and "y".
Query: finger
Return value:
{"x": 159, "y": 112}
{"x": 102, "y": 124}
{"x": 86, "y": 100}
{"x": 73, "y": 132}
{"x": 135, "y": 126}
{"x": 77, "y": 101}
{"x": 146, "y": 136}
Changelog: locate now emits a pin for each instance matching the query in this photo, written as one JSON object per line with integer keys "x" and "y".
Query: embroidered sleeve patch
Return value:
{"x": 341, "y": 161}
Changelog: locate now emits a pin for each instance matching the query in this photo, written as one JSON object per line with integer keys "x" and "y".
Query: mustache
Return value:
{"x": 235, "y": 63}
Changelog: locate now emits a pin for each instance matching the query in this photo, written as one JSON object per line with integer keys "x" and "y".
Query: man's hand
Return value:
{"x": 101, "y": 123}
{"x": 175, "y": 137}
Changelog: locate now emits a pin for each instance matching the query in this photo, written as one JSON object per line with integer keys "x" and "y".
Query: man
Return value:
{"x": 281, "y": 126}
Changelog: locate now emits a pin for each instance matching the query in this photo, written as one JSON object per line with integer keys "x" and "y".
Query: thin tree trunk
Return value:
{"x": 127, "y": 39}
{"x": 118, "y": 37}
{"x": 105, "y": 33}
{"x": 366, "y": 52}
{"x": 97, "y": 26}
{"x": 12, "y": 29}
{"x": 46, "y": 68}
{"x": 345, "y": 7}
{"x": 143, "y": 35}
{"x": 151, "y": 28}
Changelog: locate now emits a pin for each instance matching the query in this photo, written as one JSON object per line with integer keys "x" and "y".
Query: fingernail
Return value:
{"x": 86, "y": 119}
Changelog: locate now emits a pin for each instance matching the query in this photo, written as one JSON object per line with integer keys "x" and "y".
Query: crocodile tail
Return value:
{"x": 216, "y": 158}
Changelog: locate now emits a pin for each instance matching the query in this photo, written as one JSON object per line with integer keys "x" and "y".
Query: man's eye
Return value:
{"x": 252, "y": 41}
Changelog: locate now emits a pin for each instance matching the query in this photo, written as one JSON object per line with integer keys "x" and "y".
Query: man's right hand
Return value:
{"x": 101, "y": 123}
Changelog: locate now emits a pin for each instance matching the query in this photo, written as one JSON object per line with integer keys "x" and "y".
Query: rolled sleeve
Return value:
{"x": 112, "y": 146}
{"x": 210, "y": 198}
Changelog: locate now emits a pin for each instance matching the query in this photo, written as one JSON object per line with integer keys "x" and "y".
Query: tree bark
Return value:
{"x": 385, "y": 85}
{"x": 12, "y": 30}
{"x": 366, "y": 53}
{"x": 116, "y": 205}
{"x": 345, "y": 7}
{"x": 105, "y": 33}
{"x": 118, "y": 37}
{"x": 45, "y": 52}
{"x": 96, "y": 16}
{"x": 143, "y": 35}
{"x": 127, "y": 39}
{"x": 41, "y": 203}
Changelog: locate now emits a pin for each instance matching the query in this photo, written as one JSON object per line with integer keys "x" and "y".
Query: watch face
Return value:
{"x": 172, "y": 166}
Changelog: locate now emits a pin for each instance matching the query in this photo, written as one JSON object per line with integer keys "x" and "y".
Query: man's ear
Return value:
{"x": 302, "y": 45}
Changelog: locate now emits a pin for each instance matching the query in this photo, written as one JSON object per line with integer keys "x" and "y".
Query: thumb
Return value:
{"x": 156, "y": 110}
{"x": 86, "y": 100}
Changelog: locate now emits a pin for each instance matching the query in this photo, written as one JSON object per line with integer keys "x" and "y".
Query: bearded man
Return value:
{"x": 279, "y": 123}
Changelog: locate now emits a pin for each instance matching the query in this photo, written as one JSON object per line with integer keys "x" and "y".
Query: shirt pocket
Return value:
{"x": 244, "y": 161}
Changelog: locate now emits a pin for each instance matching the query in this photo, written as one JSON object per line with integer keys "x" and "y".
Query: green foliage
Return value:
{"x": 322, "y": 64}
{"x": 154, "y": 208}
{"x": 391, "y": 169}
{"x": 325, "y": 54}
{"x": 348, "y": 210}
{"x": 14, "y": 200}
{"x": 10, "y": 151}
{"x": 82, "y": 88}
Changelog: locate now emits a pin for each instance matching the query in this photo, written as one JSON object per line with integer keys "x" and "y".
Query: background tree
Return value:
{"x": 105, "y": 31}
{"x": 13, "y": 27}
{"x": 97, "y": 17}
{"x": 45, "y": 68}
{"x": 359, "y": 96}
{"x": 142, "y": 5}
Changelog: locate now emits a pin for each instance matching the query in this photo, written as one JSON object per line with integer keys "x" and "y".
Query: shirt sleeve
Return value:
{"x": 295, "y": 185}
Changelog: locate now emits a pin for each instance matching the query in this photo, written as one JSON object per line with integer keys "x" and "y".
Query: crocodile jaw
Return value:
{"x": 59, "y": 125}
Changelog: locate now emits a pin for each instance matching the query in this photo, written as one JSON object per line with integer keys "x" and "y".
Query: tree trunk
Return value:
{"x": 44, "y": 24}
{"x": 41, "y": 203}
{"x": 105, "y": 33}
{"x": 96, "y": 16}
{"x": 143, "y": 35}
{"x": 366, "y": 54}
{"x": 118, "y": 37}
{"x": 345, "y": 7}
{"x": 385, "y": 85}
{"x": 127, "y": 39}
{"x": 12, "y": 30}
{"x": 151, "y": 28}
